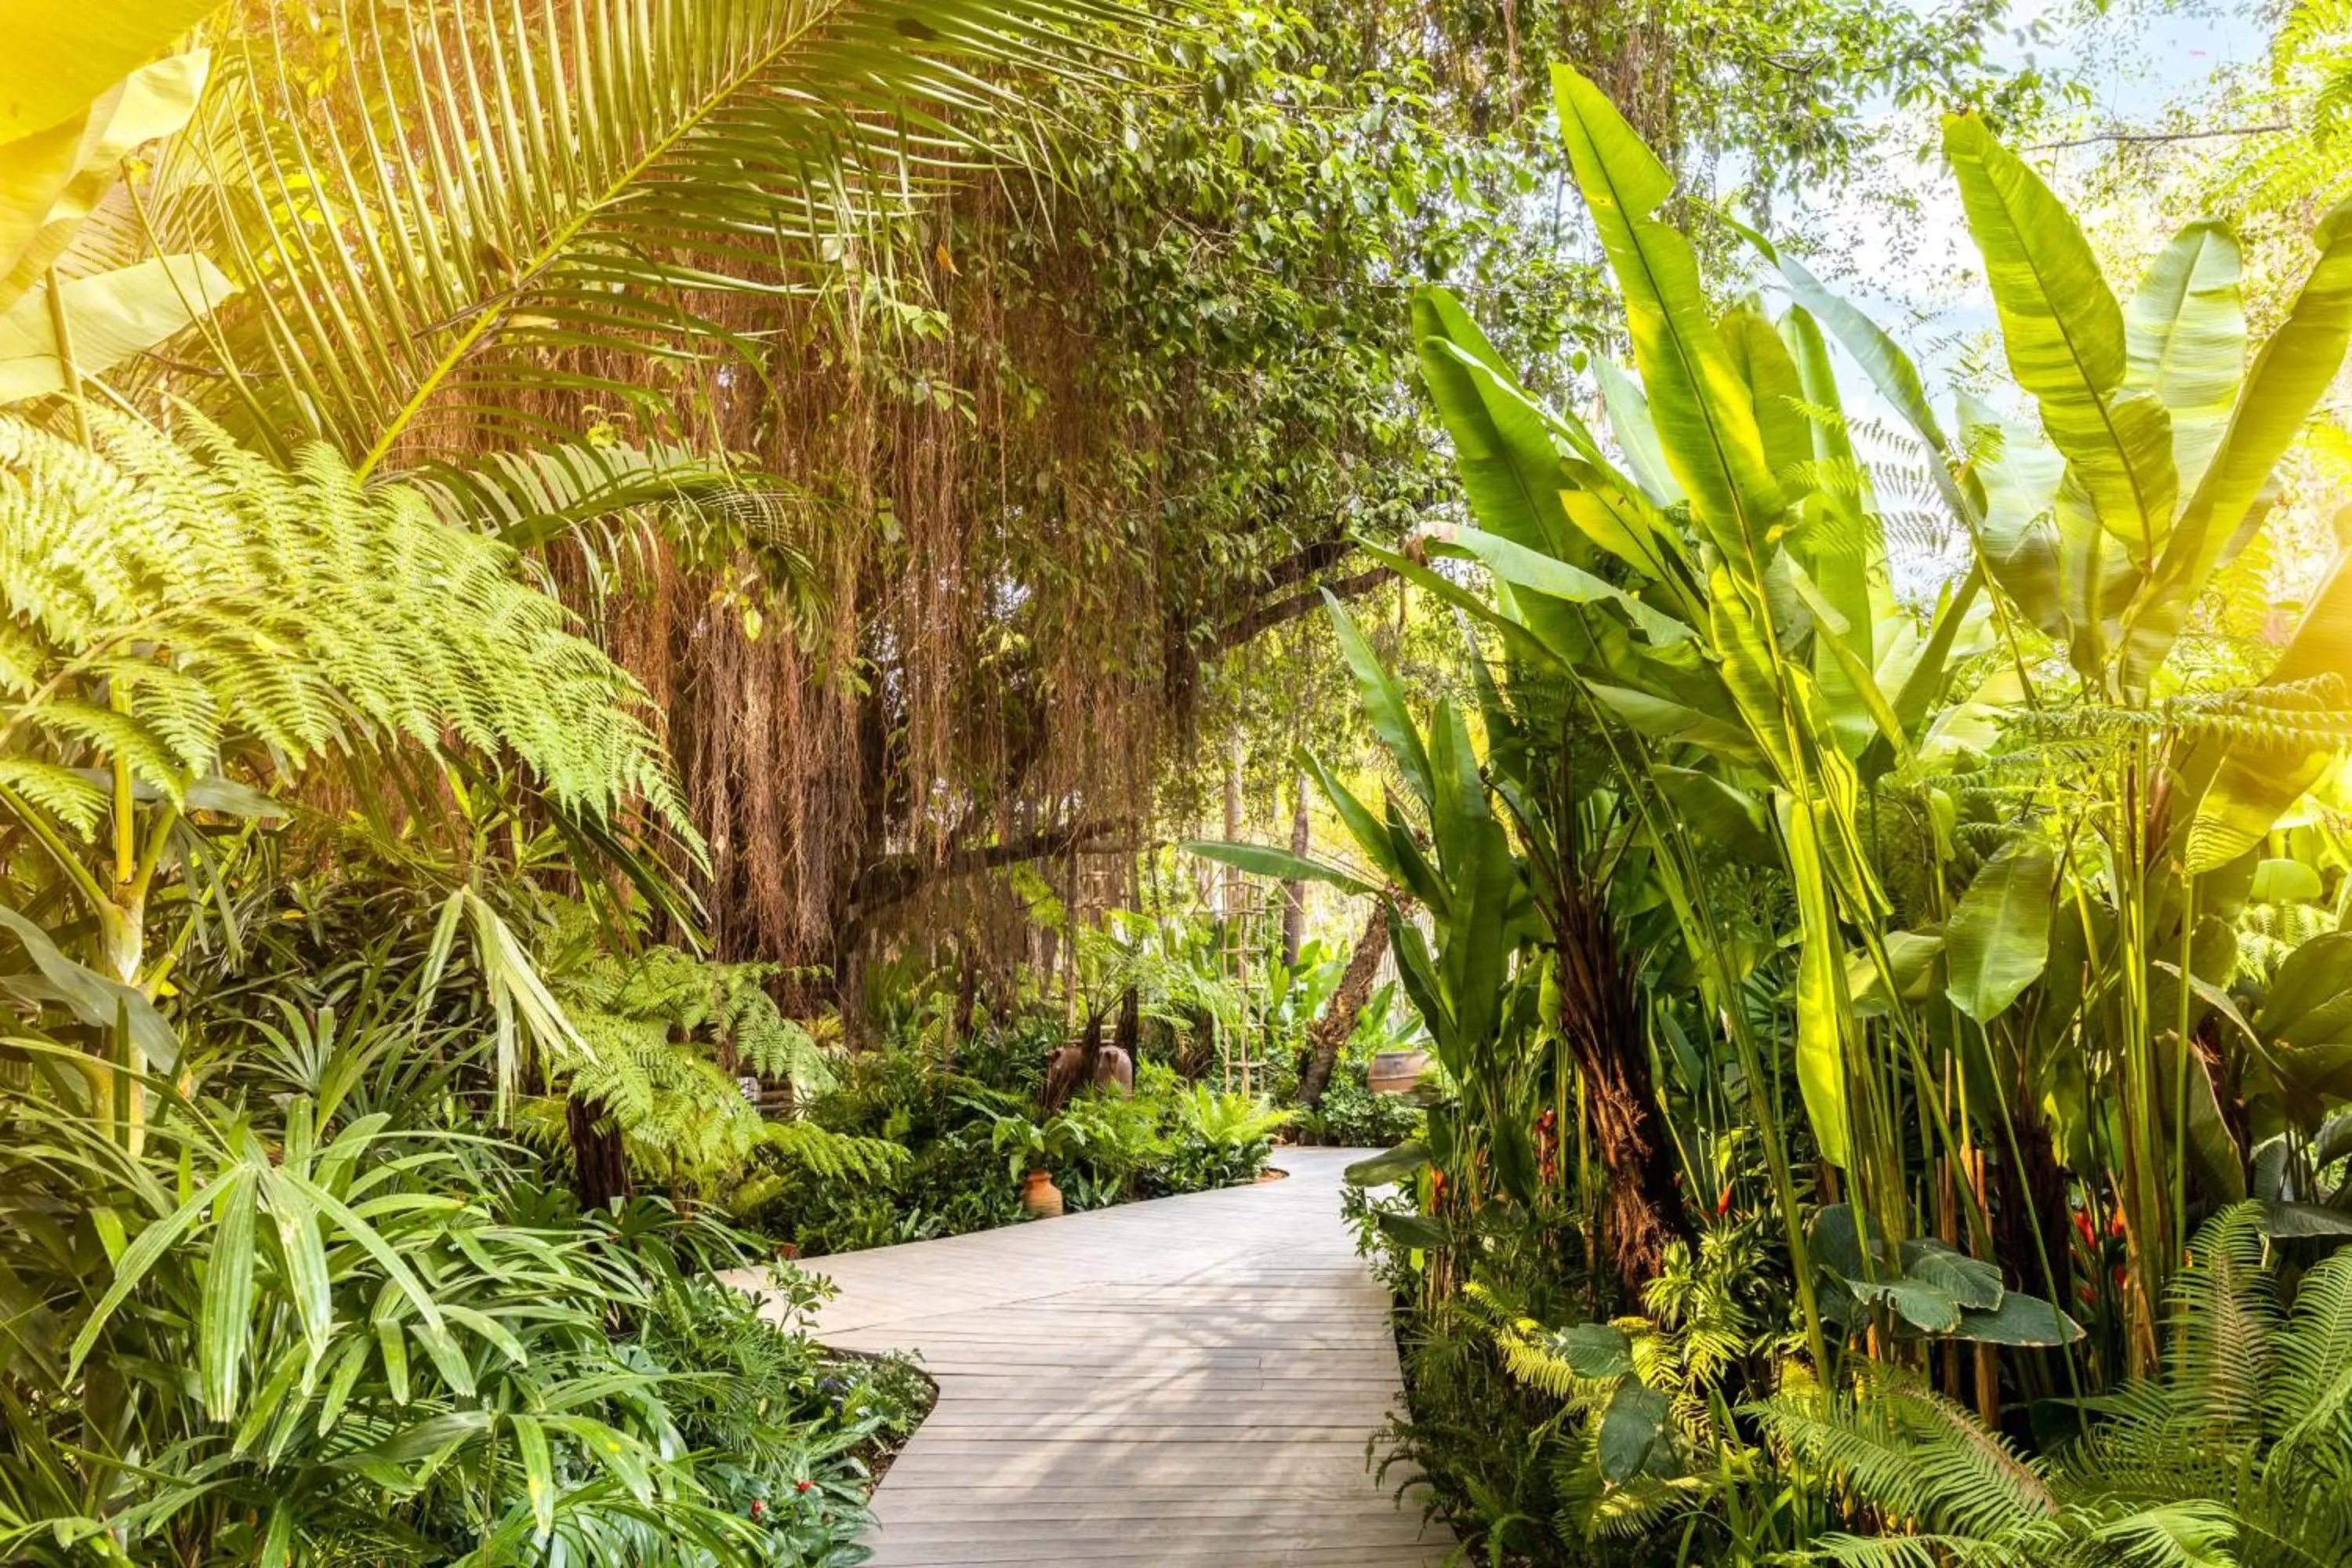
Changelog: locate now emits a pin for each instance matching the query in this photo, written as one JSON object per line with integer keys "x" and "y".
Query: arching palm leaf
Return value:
{"x": 451, "y": 215}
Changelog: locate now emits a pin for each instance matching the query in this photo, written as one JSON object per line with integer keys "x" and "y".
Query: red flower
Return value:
{"x": 758, "y": 1508}
{"x": 805, "y": 1486}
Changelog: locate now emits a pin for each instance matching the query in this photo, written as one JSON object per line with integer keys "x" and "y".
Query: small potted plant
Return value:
{"x": 1030, "y": 1149}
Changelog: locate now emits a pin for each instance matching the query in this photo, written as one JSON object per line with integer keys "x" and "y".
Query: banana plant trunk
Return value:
{"x": 1601, "y": 1019}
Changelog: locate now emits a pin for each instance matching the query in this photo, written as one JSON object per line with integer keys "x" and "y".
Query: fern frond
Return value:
{"x": 286, "y": 614}
{"x": 1912, "y": 1455}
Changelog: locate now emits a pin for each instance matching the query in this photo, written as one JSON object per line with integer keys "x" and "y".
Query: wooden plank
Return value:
{"x": 1190, "y": 1381}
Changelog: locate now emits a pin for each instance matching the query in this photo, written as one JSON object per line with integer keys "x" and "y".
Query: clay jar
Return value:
{"x": 1040, "y": 1198}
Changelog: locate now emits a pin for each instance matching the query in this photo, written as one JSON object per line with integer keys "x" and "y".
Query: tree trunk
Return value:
{"x": 600, "y": 1168}
{"x": 1294, "y": 892}
{"x": 1601, "y": 1019}
{"x": 1329, "y": 1032}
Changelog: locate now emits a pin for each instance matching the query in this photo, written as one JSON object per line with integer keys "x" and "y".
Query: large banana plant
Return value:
{"x": 1714, "y": 580}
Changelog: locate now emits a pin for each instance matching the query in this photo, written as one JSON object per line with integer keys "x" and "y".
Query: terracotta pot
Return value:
{"x": 1040, "y": 1198}
{"x": 1396, "y": 1072}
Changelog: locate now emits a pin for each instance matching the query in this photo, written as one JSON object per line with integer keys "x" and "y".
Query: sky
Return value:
{"x": 1915, "y": 273}
{"x": 2137, "y": 58}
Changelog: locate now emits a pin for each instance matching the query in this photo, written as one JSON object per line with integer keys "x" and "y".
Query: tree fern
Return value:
{"x": 190, "y": 610}
{"x": 666, "y": 1035}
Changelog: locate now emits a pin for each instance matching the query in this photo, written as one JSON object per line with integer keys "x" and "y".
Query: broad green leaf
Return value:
{"x": 1832, "y": 634}
{"x": 2294, "y": 368}
{"x": 2185, "y": 340}
{"x": 1998, "y": 941}
{"x": 1629, "y": 421}
{"x": 1911, "y": 956}
{"x": 34, "y": 171}
{"x": 1663, "y": 719}
{"x": 1757, "y": 681}
{"x": 60, "y": 56}
{"x": 1923, "y": 1306}
{"x": 1388, "y": 1167}
{"x": 1260, "y": 860}
{"x": 1362, "y": 825}
{"x": 1383, "y": 702}
{"x": 2294, "y": 1221}
{"x": 1502, "y": 442}
{"x": 153, "y": 102}
{"x": 2018, "y": 535}
{"x": 1775, "y": 391}
{"x": 1698, "y": 405}
{"x": 1417, "y": 1231}
{"x": 1481, "y": 876}
{"x": 97, "y": 1001}
{"x": 1636, "y": 1433}
{"x": 1716, "y": 813}
{"x": 1557, "y": 579}
{"x": 2020, "y": 1319}
{"x": 2309, "y": 1003}
{"x": 1971, "y": 1282}
{"x": 111, "y": 316}
{"x": 1836, "y": 1243}
{"x": 1822, "y": 1010}
{"x": 1593, "y": 1351}
{"x": 1842, "y": 546}
{"x": 2063, "y": 334}
{"x": 2285, "y": 883}
{"x": 225, "y": 1315}
{"x": 1921, "y": 690}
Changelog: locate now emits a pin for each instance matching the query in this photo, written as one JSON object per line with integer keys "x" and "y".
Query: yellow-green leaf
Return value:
{"x": 2063, "y": 334}
{"x": 110, "y": 317}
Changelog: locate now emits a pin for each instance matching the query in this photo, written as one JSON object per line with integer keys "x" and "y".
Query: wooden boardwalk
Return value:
{"x": 1190, "y": 1381}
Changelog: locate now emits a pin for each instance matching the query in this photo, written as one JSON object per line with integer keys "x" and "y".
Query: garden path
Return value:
{"x": 1192, "y": 1381}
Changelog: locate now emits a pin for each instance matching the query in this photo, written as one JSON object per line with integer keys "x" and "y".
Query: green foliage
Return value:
{"x": 664, "y": 1037}
{"x": 397, "y": 1347}
{"x": 184, "y": 606}
{"x": 2238, "y": 1452}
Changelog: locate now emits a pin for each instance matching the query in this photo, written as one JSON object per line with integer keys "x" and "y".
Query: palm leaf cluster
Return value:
{"x": 2241, "y": 1453}
{"x": 461, "y": 223}
{"x": 175, "y": 604}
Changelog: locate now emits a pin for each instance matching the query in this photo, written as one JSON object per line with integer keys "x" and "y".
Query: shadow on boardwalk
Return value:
{"x": 1190, "y": 1381}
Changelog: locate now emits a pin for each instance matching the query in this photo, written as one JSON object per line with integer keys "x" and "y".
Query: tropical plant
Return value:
{"x": 1758, "y": 674}
{"x": 391, "y": 1345}
{"x": 84, "y": 94}
{"x": 642, "y": 176}
{"x": 2238, "y": 1452}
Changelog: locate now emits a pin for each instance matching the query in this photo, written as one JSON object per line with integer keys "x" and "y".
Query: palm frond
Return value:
{"x": 1911, "y": 1455}
{"x": 459, "y": 221}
